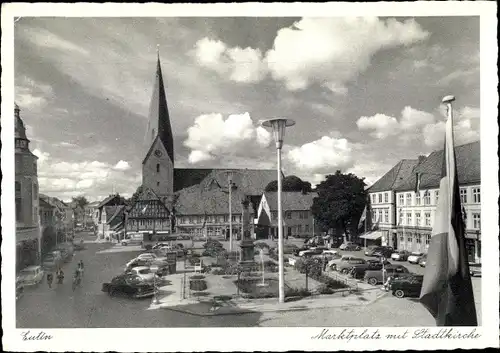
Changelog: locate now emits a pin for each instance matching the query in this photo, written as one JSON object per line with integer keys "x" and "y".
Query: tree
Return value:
{"x": 80, "y": 201}
{"x": 290, "y": 183}
{"x": 340, "y": 202}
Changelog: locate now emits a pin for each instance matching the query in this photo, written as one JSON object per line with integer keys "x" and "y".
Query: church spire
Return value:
{"x": 159, "y": 118}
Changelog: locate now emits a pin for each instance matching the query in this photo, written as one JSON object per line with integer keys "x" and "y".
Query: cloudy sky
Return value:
{"x": 365, "y": 93}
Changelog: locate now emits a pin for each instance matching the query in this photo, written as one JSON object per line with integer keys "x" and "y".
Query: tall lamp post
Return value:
{"x": 230, "y": 186}
{"x": 279, "y": 125}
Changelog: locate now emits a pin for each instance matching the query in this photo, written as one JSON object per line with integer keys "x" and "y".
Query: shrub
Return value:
{"x": 297, "y": 292}
{"x": 198, "y": 285}
{"x": 262, "y": 245}
{"x": 324, "y": 289}
{"x": 313, "y": 266}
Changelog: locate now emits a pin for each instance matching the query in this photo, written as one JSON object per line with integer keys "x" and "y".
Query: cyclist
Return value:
{"x": 81, "y": 267}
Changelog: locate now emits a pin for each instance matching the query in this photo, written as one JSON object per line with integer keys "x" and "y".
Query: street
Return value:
{"x": 60, "y": 307}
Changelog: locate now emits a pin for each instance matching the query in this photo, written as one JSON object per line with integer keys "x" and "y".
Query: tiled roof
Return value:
{"x": 468, "y": 158}
{"x": 106, "y": 201}
{"x": 110, "y": 211}
{"x": 117, "y": 215}
{"x": 291, "y": 201}
{"x": 44, "y": 204}
{"x": 210, "y": 195}
{"x": 394, "y": 177}
{"x": 186, "y": 177}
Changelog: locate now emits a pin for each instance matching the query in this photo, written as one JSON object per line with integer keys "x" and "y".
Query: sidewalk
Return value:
{"x": 223, "y": 287}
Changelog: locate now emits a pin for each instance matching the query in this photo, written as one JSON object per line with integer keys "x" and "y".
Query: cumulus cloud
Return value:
{"x": 464, "y": 132}
{"x": 212, "y": 136}
{"x": 325, "y": 51}
{"x": 322, "y": 156}
{"x": 240, "y": 65}
{"x": 331, "y": 51}
{"x": 381, "y": 124}
{"x": 122, "y": 165}
{"x": 32, "y": 95}
{"x": 42, "y": 156}
{"x": 90, "y": 178}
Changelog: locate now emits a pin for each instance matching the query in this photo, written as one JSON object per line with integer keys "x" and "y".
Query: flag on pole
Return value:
{"x": 362, "y": 219}
{"x": 447, "y": 288}
{"x": 417, "y": 182}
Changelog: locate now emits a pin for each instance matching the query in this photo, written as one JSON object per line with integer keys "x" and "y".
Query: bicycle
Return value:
{"x": 76, "y": 282}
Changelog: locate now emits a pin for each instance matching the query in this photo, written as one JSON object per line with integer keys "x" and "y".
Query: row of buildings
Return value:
{"x": 404, "y": 214}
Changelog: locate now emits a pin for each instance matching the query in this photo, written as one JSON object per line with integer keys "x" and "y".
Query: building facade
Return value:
{"x": 406, "y": 216}
{"x": 416, "y": 210}
{"x": 382, "y": 202}
{"x": 90, "y": 218}
{"x": 103, "y": 212}
{"x": 28, "y": 232}
{"x": 297, "y": 216}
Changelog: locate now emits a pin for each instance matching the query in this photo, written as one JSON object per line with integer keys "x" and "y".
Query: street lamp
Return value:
{"x": 279, "y": 125}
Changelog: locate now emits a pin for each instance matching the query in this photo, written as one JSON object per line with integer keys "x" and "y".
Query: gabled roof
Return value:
{"x": 291, "y": 201}
{"x": 468, "y": 160}
{"x": 44, "y": 204}
{"x": 394, "y": 177}
{"x": 116, "y": 212}
{"x": 143, "y": 202}
{"x": 210, "y": 195}
{"x": 107, "y": 200}
{"x": 94, "y": 204}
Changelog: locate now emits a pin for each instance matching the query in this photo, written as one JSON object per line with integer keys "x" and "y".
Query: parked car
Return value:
{"x": 378, "y": 261}
{"x": 406, "y": 286}
{"x": 331, "y": 254}
{"x": 160, "y": 245}
{"x": 52, "y": 260}
{"x": 371, "y": 249}
{"x": 475, "y": 269}
{"x": 358, "y": 271}
{"x": 130, "y": 285}
{"x": 375, "y": 277}
{"x": 422, "y": 260}
{"x": 415, "y": 257}
{"x": 311, "y": 252}
{"x": 19, "y": 290}
{"x": 346, "y": 266}
{"x": 400, "y": 255}
{"x": 332, "y": 264}
{"x": 30, "y": 276}
{"x": 144, "y": 272}
{"x": 150, "y": 256}
{"x": 132, "y": 239}
{"x": 349, "y": 246}
{"x": 383, "y": 251}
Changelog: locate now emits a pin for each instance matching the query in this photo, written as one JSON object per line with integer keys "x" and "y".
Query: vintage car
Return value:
{"x": 30, "y": 276}
{"x": 422, "y": 260}
{"x": 129, "y": 285}
{"x": 346, "y": 266}
{"x": 375, "y": 277}
{"x": 475, "y": 269}
{"x": 358, "y": 271}
{"x": 349, "y": 246}
{"x": 332, "y": 264}
{"x": 415, "y": 257}
{"x": 400, "y": 255}
{"x": 145, "y": 273}
{"x": 405, "y": 286}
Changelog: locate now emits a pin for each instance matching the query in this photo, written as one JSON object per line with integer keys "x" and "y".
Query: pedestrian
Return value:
{"x": 50, "y": 278}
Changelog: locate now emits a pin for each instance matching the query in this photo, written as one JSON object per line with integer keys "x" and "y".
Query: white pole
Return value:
{"x": 280, "y": 236}
{"x": 230, "y": 218}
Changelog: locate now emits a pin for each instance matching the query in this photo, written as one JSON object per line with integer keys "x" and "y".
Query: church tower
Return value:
{"x": 158, "y": 163}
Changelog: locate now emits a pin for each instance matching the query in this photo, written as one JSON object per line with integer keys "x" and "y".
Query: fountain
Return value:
{"x": 263, "y": 284}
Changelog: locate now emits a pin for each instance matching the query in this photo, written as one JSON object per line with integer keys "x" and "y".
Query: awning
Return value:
{"x": 372, "y": 235}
